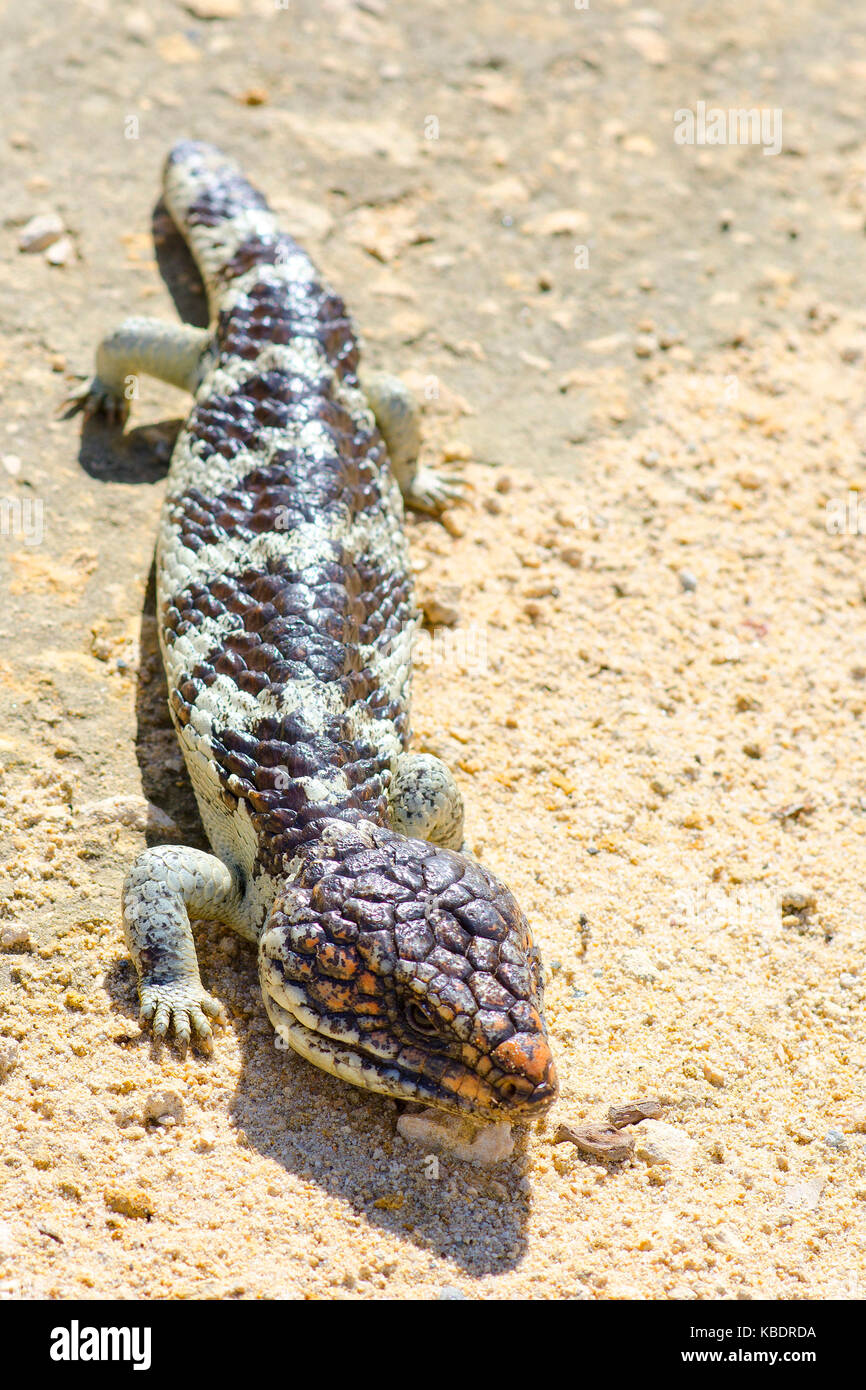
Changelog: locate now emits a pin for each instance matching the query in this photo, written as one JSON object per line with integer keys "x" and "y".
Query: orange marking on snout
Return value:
{"x": 526, "y": 1054}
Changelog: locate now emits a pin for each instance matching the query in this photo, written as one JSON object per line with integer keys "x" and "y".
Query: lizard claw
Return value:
{"x": 186, "y": 1006}
{"x": 93, "y": 397}
{"x": 431, "y": 492}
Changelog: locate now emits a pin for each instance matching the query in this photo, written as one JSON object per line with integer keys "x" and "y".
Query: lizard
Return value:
{"x": 387, "y": 955}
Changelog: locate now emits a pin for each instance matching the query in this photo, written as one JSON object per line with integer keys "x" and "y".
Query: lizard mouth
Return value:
{"x": 449, "y": 1084}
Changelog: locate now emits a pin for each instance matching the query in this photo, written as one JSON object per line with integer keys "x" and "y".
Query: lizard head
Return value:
{"x": 408, "y": 969}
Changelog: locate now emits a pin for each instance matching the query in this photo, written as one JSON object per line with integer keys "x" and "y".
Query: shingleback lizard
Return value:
{"x": 386, "y": 956}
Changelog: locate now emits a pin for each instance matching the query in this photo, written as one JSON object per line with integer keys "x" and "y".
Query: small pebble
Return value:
{"x": 835, "y": 1139}
{"x": 164, "y": 1107}
{"x": 804, "y": 1194}
{"x": 50, "y": 1228}
{"x": 658, "y": 1142}
{"x": 130, "y": 1202}
{"x": 800, "y": 1132}
{"x": 454, "y": 524}
{"x": 797, "y": 898}
{"x": 214, "y": 9}
{"x": 8, "y": 1057}
{"x": 14, "y": 938}
{"x": 60, "y": 252}
{"x": 632, "y": 1112}
{"x": 637, "y": 964}
{"x": 688, "y": 581}
{"x": 572, "y": 556}
{"x": 440, "y": 608}
{"x": 139, "y": 25}
{"x": 602, "y": 1141}
{"x": 254, "y": 96}
{"x": 134, "y": 812}
{"x": 541, "y": 588}
{"x": 457, "y": 451}
{"x": 750, "y": 481}
{"x": 725, "y": 1241}
{"x": 438, "y": 1129}
{"x": 40, "y": 232}
{"x": 713, "y": 1074}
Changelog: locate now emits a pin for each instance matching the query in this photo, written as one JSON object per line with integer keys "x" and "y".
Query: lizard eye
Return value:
{"x": 421, "y": 1020}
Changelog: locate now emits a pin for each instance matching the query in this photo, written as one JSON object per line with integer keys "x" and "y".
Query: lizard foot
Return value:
{"x": 429, "y": 491}
{"x": 186, "y": 1005}
{"x": 93, "y": 397}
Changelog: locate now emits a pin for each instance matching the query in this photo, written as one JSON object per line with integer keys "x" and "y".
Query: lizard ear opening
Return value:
{"x": 421, "y": 1019}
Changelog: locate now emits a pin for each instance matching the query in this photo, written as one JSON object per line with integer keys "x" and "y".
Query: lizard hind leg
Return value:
{"x": 425, "y": 801}
{"x": 399, "y": 419}
{"x": 164, "y": 888}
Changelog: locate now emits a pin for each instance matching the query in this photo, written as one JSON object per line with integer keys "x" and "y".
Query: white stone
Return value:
{"x": 725, "y": 1241}
{"x": 659, "y": 1142}
{"x": 461, "y": 1137}
{"x": 41, "y": 231}
{"x": 8, "y": 1057}
{"x": 637, "y": 964}
{"x": 165, "y": 1107}
{"x": 60, "y": 252}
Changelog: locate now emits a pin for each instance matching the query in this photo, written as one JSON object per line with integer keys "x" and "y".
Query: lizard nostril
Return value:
{"x": 515, "y": 1090}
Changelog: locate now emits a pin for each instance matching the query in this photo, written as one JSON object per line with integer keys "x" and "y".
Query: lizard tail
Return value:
{"x": 227, "y": 223}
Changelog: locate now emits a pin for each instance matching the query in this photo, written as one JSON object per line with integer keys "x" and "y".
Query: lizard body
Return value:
{"x": 286, "y": 619}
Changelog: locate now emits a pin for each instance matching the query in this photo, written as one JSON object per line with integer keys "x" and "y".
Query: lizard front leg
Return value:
{"x": 165, "y": 887}
{"x": 399, "y": 419}
{"x": 425, "y": 800}
{"x": 173, "y": 352}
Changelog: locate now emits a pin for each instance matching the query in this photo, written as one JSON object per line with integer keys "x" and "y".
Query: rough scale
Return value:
{"x": 286, "y": 619}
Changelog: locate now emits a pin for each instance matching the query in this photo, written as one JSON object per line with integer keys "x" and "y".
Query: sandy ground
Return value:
{"x": 653, "y": 697}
